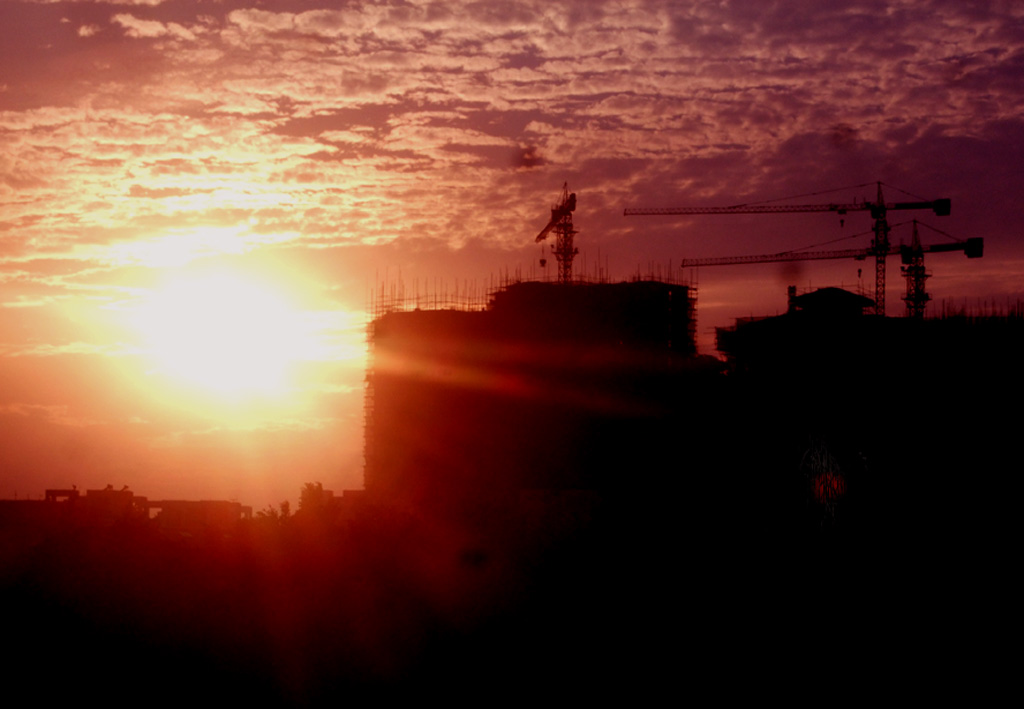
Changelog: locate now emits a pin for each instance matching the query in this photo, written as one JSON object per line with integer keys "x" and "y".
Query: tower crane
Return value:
{"x": 880, "y": 247}
{"x": 912, "y": 257}
{"x": 561, "y": 223}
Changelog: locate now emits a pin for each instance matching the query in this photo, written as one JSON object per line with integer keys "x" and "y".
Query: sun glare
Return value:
{"x": 225, "y": 334}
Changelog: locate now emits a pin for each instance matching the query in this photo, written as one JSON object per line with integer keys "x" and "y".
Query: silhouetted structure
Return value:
{"x": 901, "y": 408}
{"x": 561, "y": 223}
{"x": 912, "y": 256}
{"x": 553, "y": 386}
{"x": 880, "y": 246}
{"x": 554, "y": 486}
{"x": 198, "y": 516}
{"x": 104, "y": 508}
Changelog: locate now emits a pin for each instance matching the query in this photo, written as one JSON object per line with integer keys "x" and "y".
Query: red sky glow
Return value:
{"x": 198, "y": 198}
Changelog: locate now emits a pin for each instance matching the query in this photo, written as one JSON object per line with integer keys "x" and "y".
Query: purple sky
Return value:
{"x": 320, "y": 148}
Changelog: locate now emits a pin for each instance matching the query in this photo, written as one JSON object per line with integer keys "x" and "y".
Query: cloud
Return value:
{"x": 140, "y": 3}
{"x": 279, "y": 105}
{"x": 262, "y": 21}
{"x": 431, "y": 137}
{"x": 139, "y": 28}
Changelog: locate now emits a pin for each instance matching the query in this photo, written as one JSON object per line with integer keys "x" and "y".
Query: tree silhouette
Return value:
{"x": 312, "y": 500}
{"x": 272, "y": 514}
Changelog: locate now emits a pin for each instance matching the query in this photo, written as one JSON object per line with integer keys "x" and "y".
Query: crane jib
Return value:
{"x": 941, "y": 207}
{"x": 880, "y": 245}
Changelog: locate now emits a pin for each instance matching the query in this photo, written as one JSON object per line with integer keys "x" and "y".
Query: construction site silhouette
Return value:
{"x": 559, "y": 493}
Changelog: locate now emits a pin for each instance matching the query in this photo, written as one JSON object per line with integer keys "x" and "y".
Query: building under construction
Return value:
{"x": 552, "y": 386}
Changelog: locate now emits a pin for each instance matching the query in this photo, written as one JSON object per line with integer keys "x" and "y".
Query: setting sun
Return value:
{"x": 224, "y": 333}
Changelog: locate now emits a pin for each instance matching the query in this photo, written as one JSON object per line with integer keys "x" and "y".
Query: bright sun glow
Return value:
{"x": 225, "y": 334}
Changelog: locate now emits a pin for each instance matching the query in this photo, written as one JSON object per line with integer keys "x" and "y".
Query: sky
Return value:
{"x": 198, "y": 199}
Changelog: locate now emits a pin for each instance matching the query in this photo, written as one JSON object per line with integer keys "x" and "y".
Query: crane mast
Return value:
{"x": 914, "y": 271}
{"x": 561, "y": 224}
{"x": 880, "y": 247}
{"x": 913, "y": 267}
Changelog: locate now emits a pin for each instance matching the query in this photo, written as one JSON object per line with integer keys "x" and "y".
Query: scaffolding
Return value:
{"x": 393, "y": 296}
{"x": 645, "y": 318}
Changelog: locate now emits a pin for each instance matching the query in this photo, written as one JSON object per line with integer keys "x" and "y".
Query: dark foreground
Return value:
{"x": 822, "y": 527}
{"x": 726, "y": 584}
